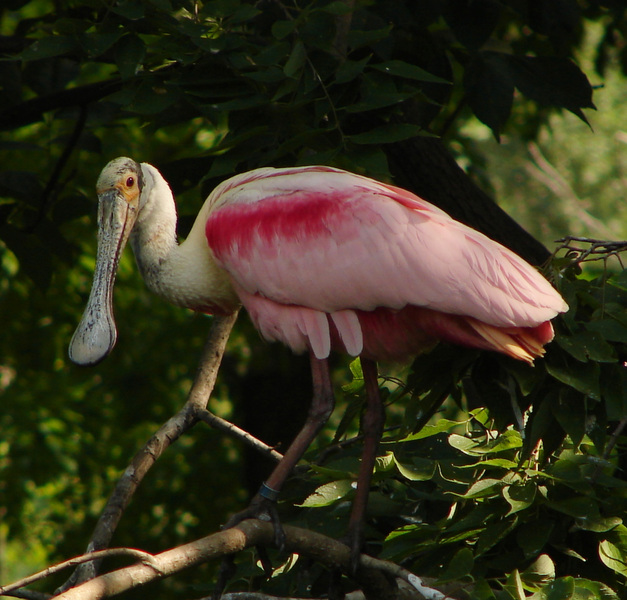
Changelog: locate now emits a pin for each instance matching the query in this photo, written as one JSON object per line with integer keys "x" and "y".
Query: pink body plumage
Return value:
{"x": 327, "y": 260}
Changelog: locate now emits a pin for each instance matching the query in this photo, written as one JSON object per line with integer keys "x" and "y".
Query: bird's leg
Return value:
{"x": 264, "y": 503}
{"x": 372, "y": 426}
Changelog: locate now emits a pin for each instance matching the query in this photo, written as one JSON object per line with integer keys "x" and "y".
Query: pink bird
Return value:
{"x": 323, "y": 260}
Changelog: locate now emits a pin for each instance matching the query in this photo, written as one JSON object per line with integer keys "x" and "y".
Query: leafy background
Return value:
{"x": 205, "y": 90}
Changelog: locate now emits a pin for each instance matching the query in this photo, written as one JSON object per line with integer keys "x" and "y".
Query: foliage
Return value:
{"x": 204, "y": 90}
{"x": 490, "y": 508}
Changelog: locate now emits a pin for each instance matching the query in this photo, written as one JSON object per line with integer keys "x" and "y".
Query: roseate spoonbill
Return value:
{"x": 322, "y": 260}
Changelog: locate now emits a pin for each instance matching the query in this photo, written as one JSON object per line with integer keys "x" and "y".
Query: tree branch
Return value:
{"x": 168, "y": 433}
{"x": 375, "y": 577}
{"x": 239, "y": 433}
{"x": 6, "y": 590}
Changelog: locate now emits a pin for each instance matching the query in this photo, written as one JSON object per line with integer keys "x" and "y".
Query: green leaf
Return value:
{"x": 243, "y": 14}
{"x": 539, "y": 571}
{"x": 584, "y": 379}
{"x": 400, "y": 68}
{"x": 613, "y": 557}
{"x": 296, "y": 60}
{"x": 570, "y": 412}
{"x": 514, "y": 586}
{"x": 585, "y": 589}
{"x": 281, "y": 29}
{"x": 338, "y": 8}
{"x": 520, "y": 497}
{"x": 421, "y": 470}
{"x": 329, "y": 493}
{"x": 609, "y": 329}
{"x": 490, "y": 89}
{"x": 358, "y": 38}
{"x": 131, "y": 9}
{"x": 351, "y": 69}
{"x": 48, "y": 47}
{"x": 384, "y": 464}
{"x": 533, "y": 537}
{"x": 97, "y": 44}
{"x": 484, "y": 488}
{"x": 129, "y": 55}
{"x": 599, "y": 524}
{"x": 585, "y": 345}
{"x": 482, "y": 591}
{"x": 560, "y": 589}
{"x": 553, "y": 81}
{"x": 388, "y": 134}
{"x": 613, "y": 550}
{"x": 472, "y": 23}
{"x": 614, "y": 390}
{"x": 508, "y": 440}
{"x": 459, "y": 567}
{"x": 494, "y": 533}
{"x": 579, "y": 506}
{"x": 442, "y": 426}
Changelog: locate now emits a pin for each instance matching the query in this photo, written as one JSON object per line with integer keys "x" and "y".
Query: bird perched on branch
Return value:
{"x": 323, "y": 260}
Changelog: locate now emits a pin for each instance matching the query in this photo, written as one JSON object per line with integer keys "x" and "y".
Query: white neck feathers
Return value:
{"x": 186, "y": 275}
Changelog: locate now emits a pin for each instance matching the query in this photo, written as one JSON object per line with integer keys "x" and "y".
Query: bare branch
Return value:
{"x": 168, "y": 433}
{"x": 587, "y": 249}
{"x": 376, "y": 578}
{"x": 238, "y": 433}
{"x": 246, "y": 534}
{"x": 28, "y": 595}
{"x": 6, "y": 590}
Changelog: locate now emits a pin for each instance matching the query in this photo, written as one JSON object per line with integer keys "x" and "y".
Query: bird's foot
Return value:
{"x": 262, "y": 507}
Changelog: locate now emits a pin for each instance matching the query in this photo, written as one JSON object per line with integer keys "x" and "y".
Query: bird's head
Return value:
{"x": 119, "y": 189}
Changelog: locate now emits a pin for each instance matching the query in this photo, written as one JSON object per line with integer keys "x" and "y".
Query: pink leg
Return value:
{"x": 319, "y": 412}
{"x": 372, "y": 425}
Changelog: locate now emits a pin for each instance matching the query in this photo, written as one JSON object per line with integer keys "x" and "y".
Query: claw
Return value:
{"x": 263, "y": 508}
{"x": 227, "y": 570}
{"x": 354, "y": 539}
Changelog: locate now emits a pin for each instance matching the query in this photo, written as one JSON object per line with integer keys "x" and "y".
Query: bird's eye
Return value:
{"x": 130, "y": 182}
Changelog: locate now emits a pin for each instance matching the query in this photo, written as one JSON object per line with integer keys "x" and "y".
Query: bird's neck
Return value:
{"x": 187, "y": 274}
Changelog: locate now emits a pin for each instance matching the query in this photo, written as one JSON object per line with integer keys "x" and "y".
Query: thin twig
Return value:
{"x": 594, "y": 249}
{"x": 241, "y": 434}
{"x": 5, "y": 590}
{"x": 29, "y": 595}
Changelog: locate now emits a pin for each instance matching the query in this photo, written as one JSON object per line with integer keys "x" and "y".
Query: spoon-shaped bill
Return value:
{"x": 96, "y": 333}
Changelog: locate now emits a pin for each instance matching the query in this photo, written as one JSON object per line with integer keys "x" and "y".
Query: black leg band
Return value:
{"x": 268, "y": 493}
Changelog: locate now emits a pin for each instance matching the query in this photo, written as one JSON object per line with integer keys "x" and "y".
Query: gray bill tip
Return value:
{"x": 93, "y": 339}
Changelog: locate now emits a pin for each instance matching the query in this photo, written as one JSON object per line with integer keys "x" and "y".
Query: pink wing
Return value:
{"x": 314, "y": 240}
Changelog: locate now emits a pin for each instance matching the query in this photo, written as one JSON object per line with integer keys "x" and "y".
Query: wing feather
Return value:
{"x": 332, "y": 241}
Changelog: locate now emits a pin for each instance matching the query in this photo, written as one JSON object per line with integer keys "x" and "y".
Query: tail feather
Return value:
{"x": 522, "y": 343}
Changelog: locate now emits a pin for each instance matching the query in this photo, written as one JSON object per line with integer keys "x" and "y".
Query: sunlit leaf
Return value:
{"x": 514, "y": 586}
{"x": 613, "y": 557}
{"x": 329, "y": 493}
{"x": 541, "y": 570}
{"x": 420, "y": 470}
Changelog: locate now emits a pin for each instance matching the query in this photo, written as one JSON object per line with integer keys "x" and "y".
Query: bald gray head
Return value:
{"x": 119, "y": 189}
